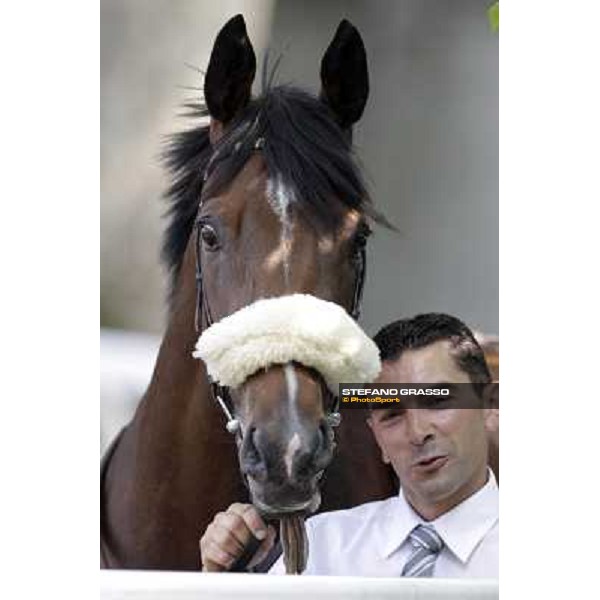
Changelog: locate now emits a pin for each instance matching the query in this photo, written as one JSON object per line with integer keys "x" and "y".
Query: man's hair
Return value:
{"x": 423, "y": 330}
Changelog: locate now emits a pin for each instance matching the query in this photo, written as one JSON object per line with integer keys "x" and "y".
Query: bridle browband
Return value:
{"x": 203, "y": 313}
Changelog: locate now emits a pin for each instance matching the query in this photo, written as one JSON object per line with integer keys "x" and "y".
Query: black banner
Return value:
{"x": 422, "y": 395}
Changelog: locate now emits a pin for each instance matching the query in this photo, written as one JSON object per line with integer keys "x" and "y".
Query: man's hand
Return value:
{"x": 230, "y": 533}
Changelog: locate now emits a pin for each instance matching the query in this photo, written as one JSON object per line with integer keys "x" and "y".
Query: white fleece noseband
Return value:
{"x": 300, "y": 328}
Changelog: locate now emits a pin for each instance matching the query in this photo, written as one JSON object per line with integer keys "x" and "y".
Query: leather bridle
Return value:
{"x": 203, "y": 314}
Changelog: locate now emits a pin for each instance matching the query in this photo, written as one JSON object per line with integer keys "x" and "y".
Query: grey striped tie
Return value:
{"x": 427, "y": 545}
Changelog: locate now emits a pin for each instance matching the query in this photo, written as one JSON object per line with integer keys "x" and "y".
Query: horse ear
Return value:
{"x": 344, "y": 75}
{"x": 230, "y": 73}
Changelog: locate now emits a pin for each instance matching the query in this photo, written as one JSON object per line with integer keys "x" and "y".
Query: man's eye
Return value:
{"x": 391, "y": 414}
{"x": 436, "y": 401}
{"x": 210, "y": 240}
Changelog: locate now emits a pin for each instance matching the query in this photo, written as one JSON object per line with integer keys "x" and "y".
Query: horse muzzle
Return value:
{"x": 283, "y": 470}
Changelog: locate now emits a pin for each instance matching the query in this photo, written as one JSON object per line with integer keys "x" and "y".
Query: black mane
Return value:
{"x": 303, "y": 147}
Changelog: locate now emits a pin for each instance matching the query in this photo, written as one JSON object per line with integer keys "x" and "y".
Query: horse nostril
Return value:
{"x": 324, "y": 451}
{"x": 316, "y": 456}
{"x": 325, "y": 432}
{"x": 253, "y": 435}
{"x": 304, "y": 465}
{"x": 252, "y": 460}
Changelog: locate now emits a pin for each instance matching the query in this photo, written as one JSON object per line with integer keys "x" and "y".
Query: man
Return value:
{"x": 444, "y": 521}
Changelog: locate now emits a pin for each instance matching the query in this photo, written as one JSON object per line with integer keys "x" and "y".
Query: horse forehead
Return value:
{"x": 254, "y": 181}
{"x": 248, "y": 184}
{"x": 253, "y": 176}
{"x": 247, "y": 192}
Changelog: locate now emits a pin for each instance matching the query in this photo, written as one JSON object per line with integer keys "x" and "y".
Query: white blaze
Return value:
{"x": 291, "y": 380}
{"x": 292, "y": 448}
{"x": 279, "y": 198}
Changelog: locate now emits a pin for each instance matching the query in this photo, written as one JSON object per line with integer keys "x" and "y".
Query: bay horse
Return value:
{"x": 266, "y": 201}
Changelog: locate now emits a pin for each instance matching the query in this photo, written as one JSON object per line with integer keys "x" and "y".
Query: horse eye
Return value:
{"x": 361, "y": 237}
{"x": 209, "y": 238}
{"x": 358, "y": 246}
{"x": 360, "y": 242}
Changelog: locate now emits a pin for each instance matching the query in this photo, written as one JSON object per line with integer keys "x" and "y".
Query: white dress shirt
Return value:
{"x": 372, "y": 539}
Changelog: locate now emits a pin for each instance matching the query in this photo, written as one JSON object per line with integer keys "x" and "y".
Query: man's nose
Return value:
{"x": 419, "y": 426}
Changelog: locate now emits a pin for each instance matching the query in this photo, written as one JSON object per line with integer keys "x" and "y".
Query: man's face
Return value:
{"x": 439, "y": 455}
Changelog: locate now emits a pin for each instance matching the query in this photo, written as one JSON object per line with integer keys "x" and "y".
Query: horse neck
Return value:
{"x": 178, "y": 399}
{"x": 174, "y": 465}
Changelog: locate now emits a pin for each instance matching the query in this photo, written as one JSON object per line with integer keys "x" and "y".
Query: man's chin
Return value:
{"x": 437, "y": 489}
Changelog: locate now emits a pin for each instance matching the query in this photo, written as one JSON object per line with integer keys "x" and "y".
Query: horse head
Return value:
{"x": 279, "y": 208}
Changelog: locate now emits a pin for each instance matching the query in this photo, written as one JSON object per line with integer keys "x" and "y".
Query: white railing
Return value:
{"x": 160, "y": 585}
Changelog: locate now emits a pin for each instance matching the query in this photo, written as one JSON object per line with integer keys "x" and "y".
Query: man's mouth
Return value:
{"x": 431, "y": 463}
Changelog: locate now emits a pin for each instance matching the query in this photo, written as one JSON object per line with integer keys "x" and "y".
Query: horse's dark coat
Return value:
{"x": 174, "y": 466}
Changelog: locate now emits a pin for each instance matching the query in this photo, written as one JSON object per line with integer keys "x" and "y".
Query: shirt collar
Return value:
{"x": 401, "y": 520}
{"x": 462, "y": 528}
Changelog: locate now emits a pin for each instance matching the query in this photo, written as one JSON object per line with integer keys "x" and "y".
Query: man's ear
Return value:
{"x": 384, "y": 457}
{"x": 492, "y": 406}
{"x": 344, "y": 75}
{"x": 231, "y": 70}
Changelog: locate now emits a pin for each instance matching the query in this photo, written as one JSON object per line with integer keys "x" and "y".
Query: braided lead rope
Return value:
{"x": 294, "y": 541}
